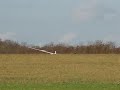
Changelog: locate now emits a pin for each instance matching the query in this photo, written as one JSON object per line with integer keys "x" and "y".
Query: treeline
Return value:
{"x": 12, "y": 47}
{"x": 97, "y": 47}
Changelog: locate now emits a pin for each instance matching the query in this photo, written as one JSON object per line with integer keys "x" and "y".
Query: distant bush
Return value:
{"x": 97, "y": 47}
{"x": 12, "y": 47}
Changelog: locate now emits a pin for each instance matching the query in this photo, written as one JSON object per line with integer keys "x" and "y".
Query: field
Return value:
{"x": 59, "y": 72}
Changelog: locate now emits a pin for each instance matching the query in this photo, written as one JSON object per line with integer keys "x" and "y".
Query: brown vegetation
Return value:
{"x": 97, "y": 47}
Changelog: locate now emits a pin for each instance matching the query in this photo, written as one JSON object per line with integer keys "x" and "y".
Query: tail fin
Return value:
{"x": 55, "y": 52}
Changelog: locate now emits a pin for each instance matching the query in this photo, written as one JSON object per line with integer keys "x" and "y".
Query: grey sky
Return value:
{"x": 71, "y": 21}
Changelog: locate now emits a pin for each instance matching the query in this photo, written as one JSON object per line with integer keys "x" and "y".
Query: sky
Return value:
{"x": 60, "y": 21}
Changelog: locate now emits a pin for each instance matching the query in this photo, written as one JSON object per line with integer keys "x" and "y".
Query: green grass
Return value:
{"x": 62, "y": 86}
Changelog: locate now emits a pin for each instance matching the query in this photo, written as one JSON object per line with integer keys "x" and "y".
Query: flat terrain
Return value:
{"x": 59, "y": 72}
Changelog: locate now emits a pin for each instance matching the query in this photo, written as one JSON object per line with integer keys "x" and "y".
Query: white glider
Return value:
{"x": 42, "y": 51}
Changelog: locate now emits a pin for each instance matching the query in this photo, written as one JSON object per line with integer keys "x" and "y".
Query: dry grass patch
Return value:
{"x": 60, "y": 68}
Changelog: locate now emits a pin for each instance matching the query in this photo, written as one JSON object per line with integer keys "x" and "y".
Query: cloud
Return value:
{"x": 84, "y": 11}
{"x": 7, "y": 36}
{"x": 67, "y": 38}
{"x": 93, "y": 9}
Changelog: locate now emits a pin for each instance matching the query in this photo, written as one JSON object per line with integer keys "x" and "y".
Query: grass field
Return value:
{"x": 59, "y": 72}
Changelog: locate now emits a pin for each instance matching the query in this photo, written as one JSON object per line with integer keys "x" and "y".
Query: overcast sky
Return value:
{"x": 69, "y": 21}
